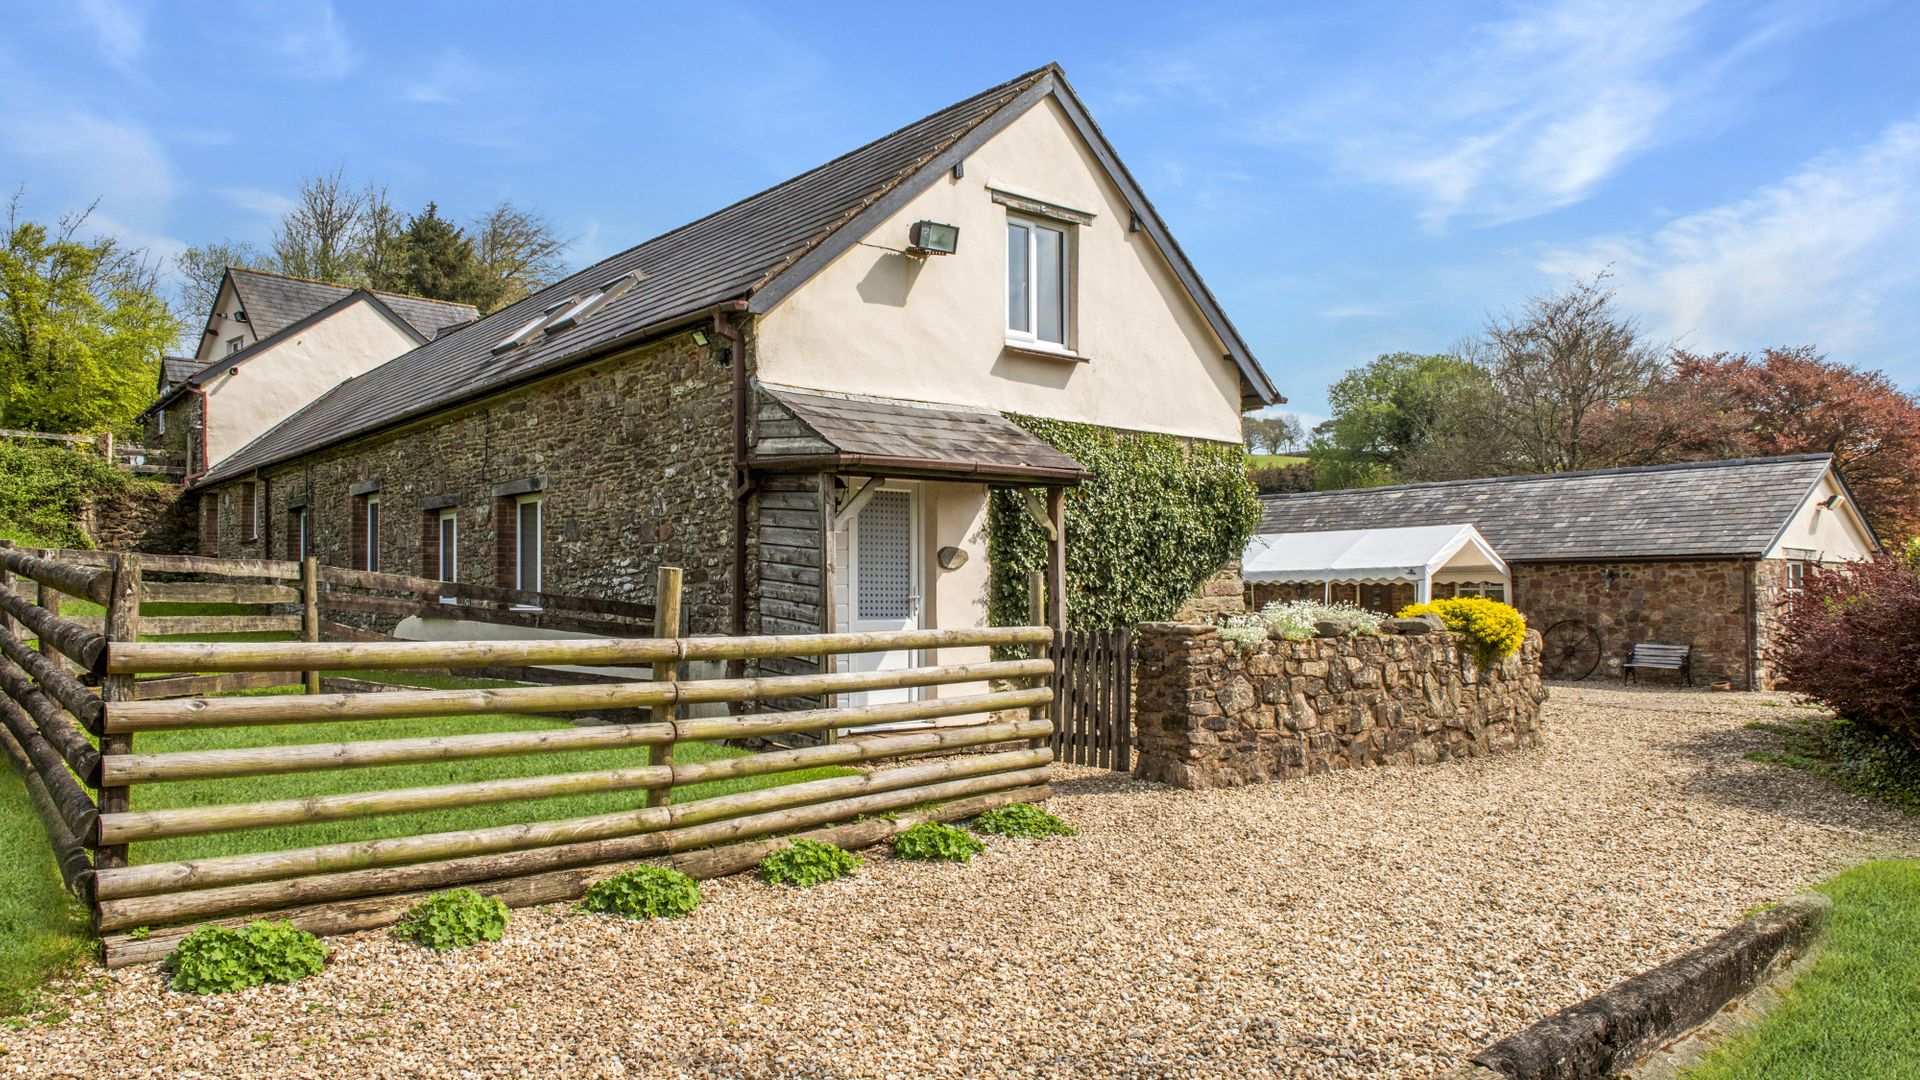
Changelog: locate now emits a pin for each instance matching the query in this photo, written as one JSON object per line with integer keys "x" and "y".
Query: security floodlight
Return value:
{"x": 933, "y": 238}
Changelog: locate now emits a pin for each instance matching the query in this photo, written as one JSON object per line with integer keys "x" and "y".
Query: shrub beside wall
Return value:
{"x": 1851, "y": 641}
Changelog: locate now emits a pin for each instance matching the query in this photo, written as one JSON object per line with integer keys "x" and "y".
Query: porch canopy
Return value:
{"x": 1420, "y": 554}
{"x": 810, "y": 431}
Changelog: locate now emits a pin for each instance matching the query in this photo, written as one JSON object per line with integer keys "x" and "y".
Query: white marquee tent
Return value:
{"x": 1421, "y": 554}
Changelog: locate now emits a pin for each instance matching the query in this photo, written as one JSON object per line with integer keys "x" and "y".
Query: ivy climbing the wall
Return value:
{"x": 1158, "y": 516}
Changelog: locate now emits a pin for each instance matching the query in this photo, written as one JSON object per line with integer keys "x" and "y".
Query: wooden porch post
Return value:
{"x": 1057, "y": 561}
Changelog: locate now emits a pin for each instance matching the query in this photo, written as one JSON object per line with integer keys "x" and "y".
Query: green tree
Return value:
{"x": 82, "y": 327}
{"x": 383, "y": 241}
{"x": 1404, "y": 416}
{"x": 440, "y": 261}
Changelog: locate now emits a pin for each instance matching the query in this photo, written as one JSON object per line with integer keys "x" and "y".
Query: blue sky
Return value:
{"x": 1350, "y": 179}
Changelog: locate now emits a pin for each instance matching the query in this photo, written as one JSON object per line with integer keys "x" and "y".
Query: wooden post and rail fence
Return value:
{"x": 75, "y": 711}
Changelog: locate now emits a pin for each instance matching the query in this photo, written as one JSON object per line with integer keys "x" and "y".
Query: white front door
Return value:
{"x": 884, "y": 593}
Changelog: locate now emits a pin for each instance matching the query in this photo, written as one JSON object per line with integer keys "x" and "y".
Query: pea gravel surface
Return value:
{"x": 1371, "y": 923}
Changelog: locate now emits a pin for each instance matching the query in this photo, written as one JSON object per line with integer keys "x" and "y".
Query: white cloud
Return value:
{"x": 1354, "y": 311}
{"x": 1822, "y": 257}
{"x": 312, "y": 43}
{"x": 1523, "y": 115}
{"x": 451, "y": 79}
{"x": 265, "y": 203}
{"x": 118, "y": 162}
{"x": 120, "y": 29}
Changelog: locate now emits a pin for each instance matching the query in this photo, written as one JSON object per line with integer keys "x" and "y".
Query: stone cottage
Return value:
{"x": 1697, "y": 554}
{"x": 798, "y": 399}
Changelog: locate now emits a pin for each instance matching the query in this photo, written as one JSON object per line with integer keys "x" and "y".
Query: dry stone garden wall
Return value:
{"x": 1209, "y": 714}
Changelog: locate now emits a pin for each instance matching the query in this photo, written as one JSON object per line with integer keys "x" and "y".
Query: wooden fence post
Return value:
{"x": 122, "y": 624}
{"x": 49, "y": 598}
{"x": 6, "y": 582}
{"x": 310, "y": 613}
{"x": 666, "y": 624}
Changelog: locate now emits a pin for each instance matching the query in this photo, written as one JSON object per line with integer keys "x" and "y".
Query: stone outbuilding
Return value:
{"x": 1702, "y": 554}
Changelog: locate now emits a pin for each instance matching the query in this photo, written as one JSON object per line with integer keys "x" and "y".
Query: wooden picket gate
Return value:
{"x": 1093, "y": 698}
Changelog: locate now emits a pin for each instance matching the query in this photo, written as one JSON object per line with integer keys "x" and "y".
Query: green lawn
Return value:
{"x": 1856, "y": 1014}
{"x": 301, "y": 785}
{"x": 40, "y": 928}
{"x": 1267, "y": 461}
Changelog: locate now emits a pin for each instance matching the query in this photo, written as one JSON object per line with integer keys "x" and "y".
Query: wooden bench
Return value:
{"x": 1648, "y": 654}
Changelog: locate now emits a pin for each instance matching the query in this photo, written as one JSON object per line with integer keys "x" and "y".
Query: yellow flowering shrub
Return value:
{"x": 1498, "y": 629}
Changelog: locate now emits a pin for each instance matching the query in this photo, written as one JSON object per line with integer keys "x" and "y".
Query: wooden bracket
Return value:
{"x": 1037, "y": 510}
{"x": 856, "y": 500}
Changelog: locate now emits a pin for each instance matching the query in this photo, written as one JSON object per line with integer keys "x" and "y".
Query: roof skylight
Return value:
{"x": 568, "y": 313}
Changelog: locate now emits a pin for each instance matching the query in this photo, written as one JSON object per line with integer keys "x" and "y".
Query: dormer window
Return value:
{"x": 1036, "y": 283}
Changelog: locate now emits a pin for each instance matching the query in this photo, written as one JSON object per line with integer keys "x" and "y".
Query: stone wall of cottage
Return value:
{"x": 1700, "y": 603}
{"x": 1209, "y": 714}
{"x": 634, "y": 452}
{"x": 1224, "y": 593}
{"x": 1770, "y": 596}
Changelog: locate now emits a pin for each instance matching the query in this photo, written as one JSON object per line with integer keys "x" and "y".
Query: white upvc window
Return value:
{"x": 528, "y": 556}
{"x": 234, "y": 345}
{"x": 1037, "y": 283}
{"x": 373, "y": 533}
{"x": 160, "y": 422}
{"x": 450, "y": 545}
{"x": 1796, "y": 575}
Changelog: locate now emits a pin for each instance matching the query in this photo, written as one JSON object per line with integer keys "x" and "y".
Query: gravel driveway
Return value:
{"x": 1375, "y": 923}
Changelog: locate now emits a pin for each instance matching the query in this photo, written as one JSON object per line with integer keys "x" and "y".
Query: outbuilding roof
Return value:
{"x": 1691, "y": 510}
{"x": 752, "y": 253}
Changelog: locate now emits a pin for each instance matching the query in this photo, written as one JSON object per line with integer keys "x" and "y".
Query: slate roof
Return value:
{"x": 1696, "y": 509}
{"x": 274, "y": 302}
{"x": 175, "y": 370}
{"x": 908, "y": 438}
{"x": 738, "y": 253}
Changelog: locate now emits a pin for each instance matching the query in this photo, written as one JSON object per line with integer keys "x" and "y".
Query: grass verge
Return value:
{"x": 1859, "y": 757}
{"x": 41, "y": 929}
{"x": 1853, "y": 1014}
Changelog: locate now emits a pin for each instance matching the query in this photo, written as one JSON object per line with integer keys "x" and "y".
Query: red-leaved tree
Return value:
{"x": 1790, "y": 401}
{"x": 1851, "y": 640}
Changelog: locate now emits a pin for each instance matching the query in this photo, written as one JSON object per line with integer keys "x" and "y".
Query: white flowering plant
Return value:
{"x": 1245, "y": 631}
{"x": 1295, "y": 619}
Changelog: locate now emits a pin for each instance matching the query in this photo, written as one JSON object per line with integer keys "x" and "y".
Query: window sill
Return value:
{"x": 1045, "y": 352}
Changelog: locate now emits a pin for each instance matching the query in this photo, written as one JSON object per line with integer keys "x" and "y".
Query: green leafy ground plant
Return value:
{"x": 219, "y": 959}
{"x": 933, "y": 842}
{"x": 454, "y": 919}
{"x": 644, "y": 892}
{"x": 1023, "y": 820}
{"x": 805, "y": 863}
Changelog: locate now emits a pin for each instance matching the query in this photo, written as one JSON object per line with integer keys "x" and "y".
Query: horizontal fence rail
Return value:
{"x": 77, "y": 692}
